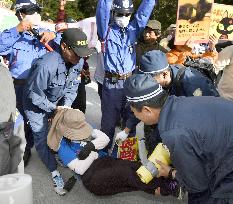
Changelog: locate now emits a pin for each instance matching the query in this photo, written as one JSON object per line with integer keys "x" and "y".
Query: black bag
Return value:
{"x": 202, "y": 65}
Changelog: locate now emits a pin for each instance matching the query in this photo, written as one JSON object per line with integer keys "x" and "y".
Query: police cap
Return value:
{"x": 153, "y": 62}
{"x": 141, "y": 87}
{"x": 77, "y": 40}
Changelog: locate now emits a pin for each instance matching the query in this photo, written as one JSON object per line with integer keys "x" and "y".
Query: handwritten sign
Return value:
{"x": 222, "y": 21}
{"x": 193, "y": 21}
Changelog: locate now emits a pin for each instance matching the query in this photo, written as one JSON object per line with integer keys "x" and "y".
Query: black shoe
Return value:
{"x": 26, "y": 157}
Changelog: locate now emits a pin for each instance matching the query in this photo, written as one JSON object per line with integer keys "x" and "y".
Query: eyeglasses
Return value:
{"x": 123, "y": 14}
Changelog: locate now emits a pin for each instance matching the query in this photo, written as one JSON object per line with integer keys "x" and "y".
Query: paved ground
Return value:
{"x": 42, "y": 185}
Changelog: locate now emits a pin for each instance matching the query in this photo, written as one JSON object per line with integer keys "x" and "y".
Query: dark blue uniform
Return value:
{"x": 193, "y": 83}
{"x": 119, "y": 58}
{"x": 51, "y": 81}
{"x": 198, "y": 132}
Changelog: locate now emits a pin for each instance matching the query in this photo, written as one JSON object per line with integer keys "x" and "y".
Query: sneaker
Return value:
{"x": 59, "y": 185}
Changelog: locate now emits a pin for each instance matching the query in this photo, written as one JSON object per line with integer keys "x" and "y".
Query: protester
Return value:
{"x": 22, "y": 48}
{"x": 118, "y": 47}
{"x": 10, "y": 153}
{"x": 179, "y": 53}
{"x": 198, "y": 133}
{"x": 150, "y": 40}
{"x": 179, "y": 82}
{"x": 225, "y": 63}
{"x": 80, "y": 148}
{"x": 170, "y": 31}
{"x": 52, "y": 85}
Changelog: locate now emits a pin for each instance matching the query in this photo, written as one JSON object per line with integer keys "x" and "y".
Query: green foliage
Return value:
{"x": 165, "y": 11}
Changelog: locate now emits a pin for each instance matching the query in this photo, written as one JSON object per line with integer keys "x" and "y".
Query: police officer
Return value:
{"x": 175, "y": 80}
{"x": 52, "y": 85}
{"x": 198, "y": 133}
{"x": 149, "y": 40}
{"x": 23, "y": 48}
{"x": 118, "y": 44}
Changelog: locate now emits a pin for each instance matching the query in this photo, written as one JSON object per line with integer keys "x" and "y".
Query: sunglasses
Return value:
{"x": 123, "y": 14}
{"x": 29, "y": 10}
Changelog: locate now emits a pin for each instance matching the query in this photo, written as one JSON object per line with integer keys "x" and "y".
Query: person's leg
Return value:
{"x": 80, "y": 100}
{"x": 100, "y": 90}
{"x": 27, "y": 129}
{"x": 38, "y": 121}
{"x": 111, "y": 106}
{"x": 126, "y": 112}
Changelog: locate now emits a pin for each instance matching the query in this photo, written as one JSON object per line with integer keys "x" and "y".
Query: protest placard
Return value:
{"x": 222, "y": 21}
{"x": 193, "y": 21}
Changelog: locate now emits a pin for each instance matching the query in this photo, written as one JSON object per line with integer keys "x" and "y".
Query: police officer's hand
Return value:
{"x": 47, "y": 36}
{"x": 164, "y": 170}
{"x": 23, "y": 26}
{"x": 121, "y": 136}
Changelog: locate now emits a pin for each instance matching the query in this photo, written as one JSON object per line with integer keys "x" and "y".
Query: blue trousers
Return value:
{"x": 38, "y": 121}
{"x": 113, "y": 104}
{"x": 19, "y": 105}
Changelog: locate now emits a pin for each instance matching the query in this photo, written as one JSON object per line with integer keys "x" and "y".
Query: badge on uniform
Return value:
{"x": 197, "y": 92}
{"x": 125, "y": 3}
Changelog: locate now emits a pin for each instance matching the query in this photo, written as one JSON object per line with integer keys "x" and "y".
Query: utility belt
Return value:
{"x": 19, "y": 81}
{"x": 114, "y": 77}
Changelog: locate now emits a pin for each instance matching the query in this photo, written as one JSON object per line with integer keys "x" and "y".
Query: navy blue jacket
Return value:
{"x": 198, "y": 132}
{"x": 52, "y": 80}
{"x": 193, "y": 83}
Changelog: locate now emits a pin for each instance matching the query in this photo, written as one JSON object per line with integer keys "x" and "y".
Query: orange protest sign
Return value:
{"x": 222, "y": 21}
{"x": 128, "y": 150}
{"x": 193, "y": 21}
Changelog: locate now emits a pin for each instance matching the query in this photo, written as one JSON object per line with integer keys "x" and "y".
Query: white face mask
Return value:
{"x": 122, "y": 21}
{"x": 34, "y": 19}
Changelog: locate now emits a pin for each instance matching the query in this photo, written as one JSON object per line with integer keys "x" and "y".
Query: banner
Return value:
{"x": 193, "y": 21}
{"x": 222, "y": 21}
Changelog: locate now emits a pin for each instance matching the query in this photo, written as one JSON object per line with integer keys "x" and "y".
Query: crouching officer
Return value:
{"x": 52, "y": 85}
{"x": 176, "y": 80}
{"x": 198, "y": 134}
{"x": 23, "y": 48}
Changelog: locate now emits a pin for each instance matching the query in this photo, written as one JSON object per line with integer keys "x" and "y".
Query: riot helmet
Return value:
{"x": 123, "y": 6}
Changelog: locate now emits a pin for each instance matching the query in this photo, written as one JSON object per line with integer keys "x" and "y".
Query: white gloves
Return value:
{"x": 121, "y": 136}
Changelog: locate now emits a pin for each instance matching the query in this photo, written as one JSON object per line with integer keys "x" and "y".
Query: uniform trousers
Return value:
{"x": 38, "y": 120}
{"x": 19, "y": 106}
{"x": 113, "y": 105}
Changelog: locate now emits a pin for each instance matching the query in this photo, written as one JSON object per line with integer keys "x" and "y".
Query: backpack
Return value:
{"x": 202, "y": 65}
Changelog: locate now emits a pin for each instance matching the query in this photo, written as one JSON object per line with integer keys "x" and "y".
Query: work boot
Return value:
{"x": 26, "y": 156}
